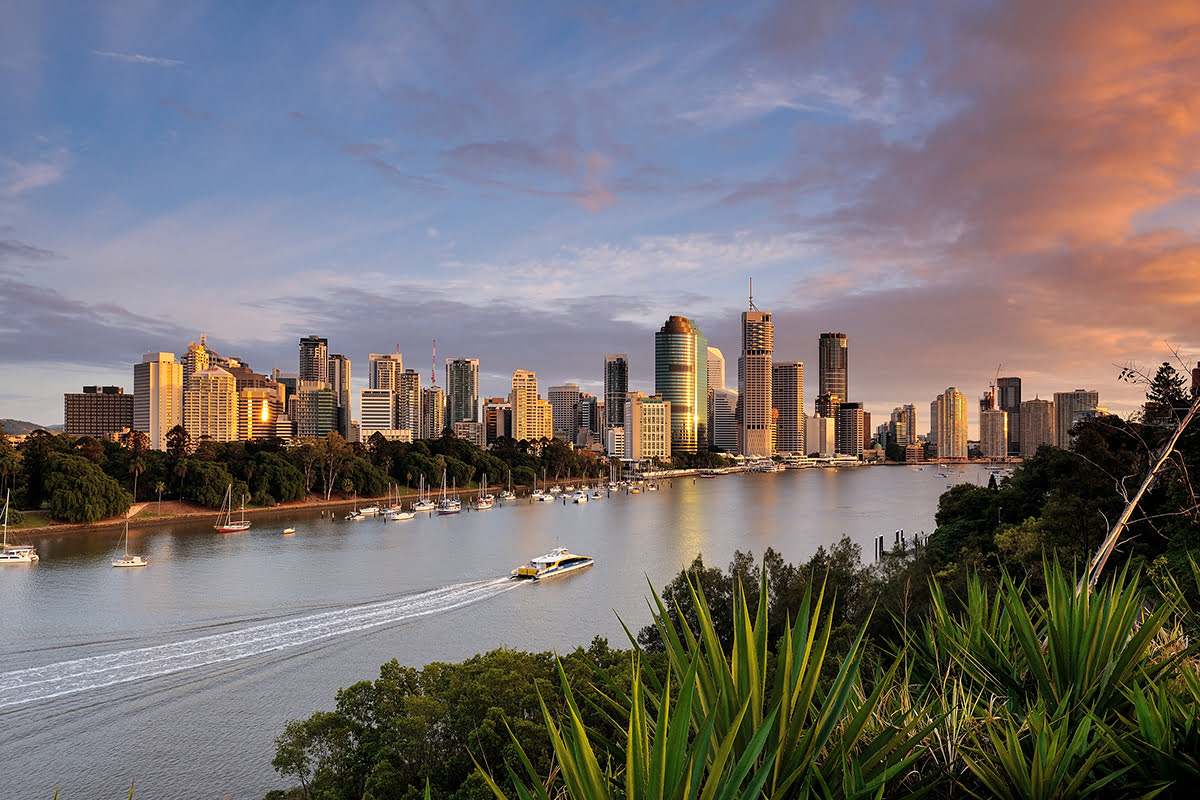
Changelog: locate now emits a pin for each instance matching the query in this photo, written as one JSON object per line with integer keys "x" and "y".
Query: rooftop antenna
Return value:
{"x": 433, "y": 365}
{"x": 752, "y": 306}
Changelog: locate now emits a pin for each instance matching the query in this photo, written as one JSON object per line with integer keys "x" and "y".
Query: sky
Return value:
{"x": 962, "y": 188}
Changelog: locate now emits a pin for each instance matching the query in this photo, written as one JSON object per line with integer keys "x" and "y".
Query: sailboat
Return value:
{"x": 485, "y": 500}
{"x": 15, "y": 554}
{"x": 225, "y": 521}
{"x": 447, "y": 505}
{"x": 395, "y": 512}
{"x": 128, "y": 560}
{"x": 508, "y": 494}
{"x": 423, "y": 503}
{"x": 356, "y": 515}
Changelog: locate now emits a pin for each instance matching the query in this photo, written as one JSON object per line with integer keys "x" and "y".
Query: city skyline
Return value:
{"x": 386, "y": 175}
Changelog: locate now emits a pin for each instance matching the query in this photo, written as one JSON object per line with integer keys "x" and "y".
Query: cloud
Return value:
{"x": 138, "y": 58}
{"x": 12, "y": 250}
{"x": 18, "y": 178}
{"x": 187, "y": 111}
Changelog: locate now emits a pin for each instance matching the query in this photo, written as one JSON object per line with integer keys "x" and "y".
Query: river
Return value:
{"x": 180, "y": 675}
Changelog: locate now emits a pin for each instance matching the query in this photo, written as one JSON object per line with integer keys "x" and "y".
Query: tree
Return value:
{"x": 178, "y": 442}
{"x": 10, "y": 462}
{"x": 1166, "y": 399}
{"x": 159, "y": 486}
{"x": 306, "y": 453}
{"x": 79, "y": 490}
{"x": 35, "y": 453}
{"x": 334, "y": 458}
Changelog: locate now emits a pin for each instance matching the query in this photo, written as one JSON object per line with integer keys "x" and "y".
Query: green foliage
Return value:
{"x": 276, "y": 480}
{"x": 79, "y": 490}
{"x": 207, "y": 482}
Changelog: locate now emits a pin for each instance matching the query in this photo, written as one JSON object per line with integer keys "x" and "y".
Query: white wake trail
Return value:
{"x": 85, "y": 674}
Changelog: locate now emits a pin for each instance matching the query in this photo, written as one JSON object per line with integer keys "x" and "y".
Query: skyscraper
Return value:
{"x": 951, "y": 424}
{"x": 433, "y": 412}
{"x": 993, "y": 433}
{"x": 903, "y": 425}
{"x": 755, "y": 428}
{"x": 408, "y": 403}
{"x": 157, "y": 396}
{"x": 462, "y": 390}
{"x": 1008, "y": 391}
{"x": 532, "y": 417}
{"x": 376, "y": 411}
{"x": 850, "y": 425}
{"x": 833, "y": 365}
{"x": 339, "y": 382}
{"x": 681, "y": 377}
{"x": 1037, "y": 425}
{"x": 564, "y": 406}
{"x": 1069, "y": 408}
{"x": 616, "y": 387}
{"x": 314, "y": 359}
{"x": 211, "y": 406}
{"x": 722, "y": 420}
{"x": 787, "y": 398}
{"x": 648, "y": 427}
{"x": 196, "y": 358}
{"x": 716, "y": 368}
{"x": 385, "y": 371}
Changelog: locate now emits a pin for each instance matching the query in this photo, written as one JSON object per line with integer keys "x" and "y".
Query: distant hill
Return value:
{"x": 18, "y": 427}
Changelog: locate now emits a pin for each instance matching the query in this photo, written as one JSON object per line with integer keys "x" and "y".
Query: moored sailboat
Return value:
{"x": 225, "y": 522}
{"x": 13, "y": 553}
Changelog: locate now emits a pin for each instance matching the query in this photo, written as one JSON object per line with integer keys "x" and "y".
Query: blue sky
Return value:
{"x": 954, "y": 185}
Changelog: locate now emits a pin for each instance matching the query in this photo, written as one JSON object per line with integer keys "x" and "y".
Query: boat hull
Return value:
{"x": 234, "y": 527}
{"x": 131, "y": 561}
{"x": 528, "y": 574}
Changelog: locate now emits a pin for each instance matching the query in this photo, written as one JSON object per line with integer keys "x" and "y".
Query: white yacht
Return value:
{"x": 397, "y": 514}
{"x": 225, "y": 521}
{"x": 558, "y": 561}
{"x": 129, "y": 560}
{"x": 12, "y": 553}
{"x": 579, "y": 497}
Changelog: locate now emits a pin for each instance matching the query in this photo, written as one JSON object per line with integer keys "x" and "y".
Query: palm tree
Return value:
{"x": 159, "y": 487}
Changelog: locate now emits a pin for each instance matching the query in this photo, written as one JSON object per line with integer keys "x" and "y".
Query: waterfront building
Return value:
{"x": 755, "y": 413}
{"x": 408, "y": 403}
{"x": 681, "y": 378}
{"x": 339, "y": 382}
{"x": 385, "y": 371}
{"x": 260, "y": 411}
{"x": 722, "y": 415}
{"x": 819, "y": 433}
{"x": 902, "y": 428}
{"x": 951, "y": 424}
{"x": 787, "y": 398}
{"x": 716, "y": 368}
{"x": 314, "y": 359}
{"x": 1008, "y": 399}
{"x": 914, "y": 453}
{"x": 883, "y": 434}
{"x": 157, "y": 396}
{"x": 589, "y": 422}
{"x": 866, "y": 430}
{"x": 1069, "y": 408}
{"x": 826, "y": 404}
{"x": 211, "y": 406}
{"x": 433, "y": 412}
{"x": 993, "y": 433}
{"x": 614, "y": 441}
{"x": 316, "y": 412}
{"x": 648, "y": 428}
{"x": 833, "y": 365}
{"x": 616, "y": 387}
{"x": 470, "y": 431}
{"x": 462, "y": 390}
{"x": 850, "y": 424}
{"x": 564, "y": 407}
{"x": 376, "y": 411}
{"x": 98, "y": 411}
{"x": 1037, "y": 425}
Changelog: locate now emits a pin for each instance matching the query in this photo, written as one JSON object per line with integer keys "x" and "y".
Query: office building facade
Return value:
{"x": 462, "y": 390}
{"x": 722, "y": 420}
{"x": 756, "y": 430}
{"x": 433, "y": 412}
{"x": 648, "y": 427}
{"x": 616, "y": 387}
{"x": 97, "y": 411}
{"x": 211, "y": 406}
{"x": 314, "y": 359}
{"x": 1069, "y": 408}
{"x": 1037, "y": 425}
{"x": 408, "y": 403}
{"x": 833, "y": 365}
{"x": 993, "y": 433}
{"x": 157, "y": 396}
{"x": 1008, "y": 399}
{"x": 787, "y": 398}
{"x": 681, "y": 379}
{"x": 849, "y": 429}
{"x": 385, "y": 371}
{"x": 564, "y": 407}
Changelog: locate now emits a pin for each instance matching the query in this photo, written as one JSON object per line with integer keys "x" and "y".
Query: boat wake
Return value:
{"x": 35, "y": 684}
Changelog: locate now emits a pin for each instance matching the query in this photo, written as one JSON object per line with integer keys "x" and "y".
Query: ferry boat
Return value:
{"x": 558, "y": 561}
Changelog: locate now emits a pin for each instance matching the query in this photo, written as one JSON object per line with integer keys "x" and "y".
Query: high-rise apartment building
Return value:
{"x": 756, "y": 427}
{"x": 385, "y": 371}
{"x": 97, "y": 411}
{"x": 616, "y": 387}
{"x": 497, "y": 419}
{"x": 1008, "y": 399}
{"x": 833, "y": 365}
{"x": 681, "y": 377}
{"x": 951, "y": 424}
{"x": 1069, "y": 408}
{"x": 1037, "y": 425}
{"x": 261, "y": 413}
{"x": 462, "y": 390}
{"x": 850, "y": 429}
{"x": 339, "y": 382}
{"x": 902, "y": 428}
{"x": 433, "y": 412}
{"x": 590, "y": 427}
{"x": 211, "y": 406}
{"x": 314, "y": 359}
{"x": 722, "y": 420}
{"x": 933, "y": 422}
{"x": 716, "y": 368}
{"x": 532, "y": 417}
{"x": 993, "y": 433}
{"x": 316, "y": 409}
{"x": 194, "y": 359}
{"x": 157, "y": 397}
{"x": 408, "y": 403}
{"x": 648, "y": 427}
{"x": 564, "y": 406}
{"x": 787, "y": 398}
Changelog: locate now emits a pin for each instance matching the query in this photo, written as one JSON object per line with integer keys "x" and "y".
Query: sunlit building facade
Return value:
{"x": 157, "y": 396}
{"x": 787, "y": 397}
{"x": 681, "y": 378}
{"x": 408, "y": 403}
{"x": 648, "y": 428}
{"x": 1069, "y": 408}
{"x": 211, "y": 406}
{"x": 462, "y": 390}
{"x": 756, "y": 429}
{"x": 833, "y": 365}
{"x": 261, "y": 413}
{"x": 993, "y": 433}
{"x": 1037, "y": 425}
{"x": 951, "y": 424}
